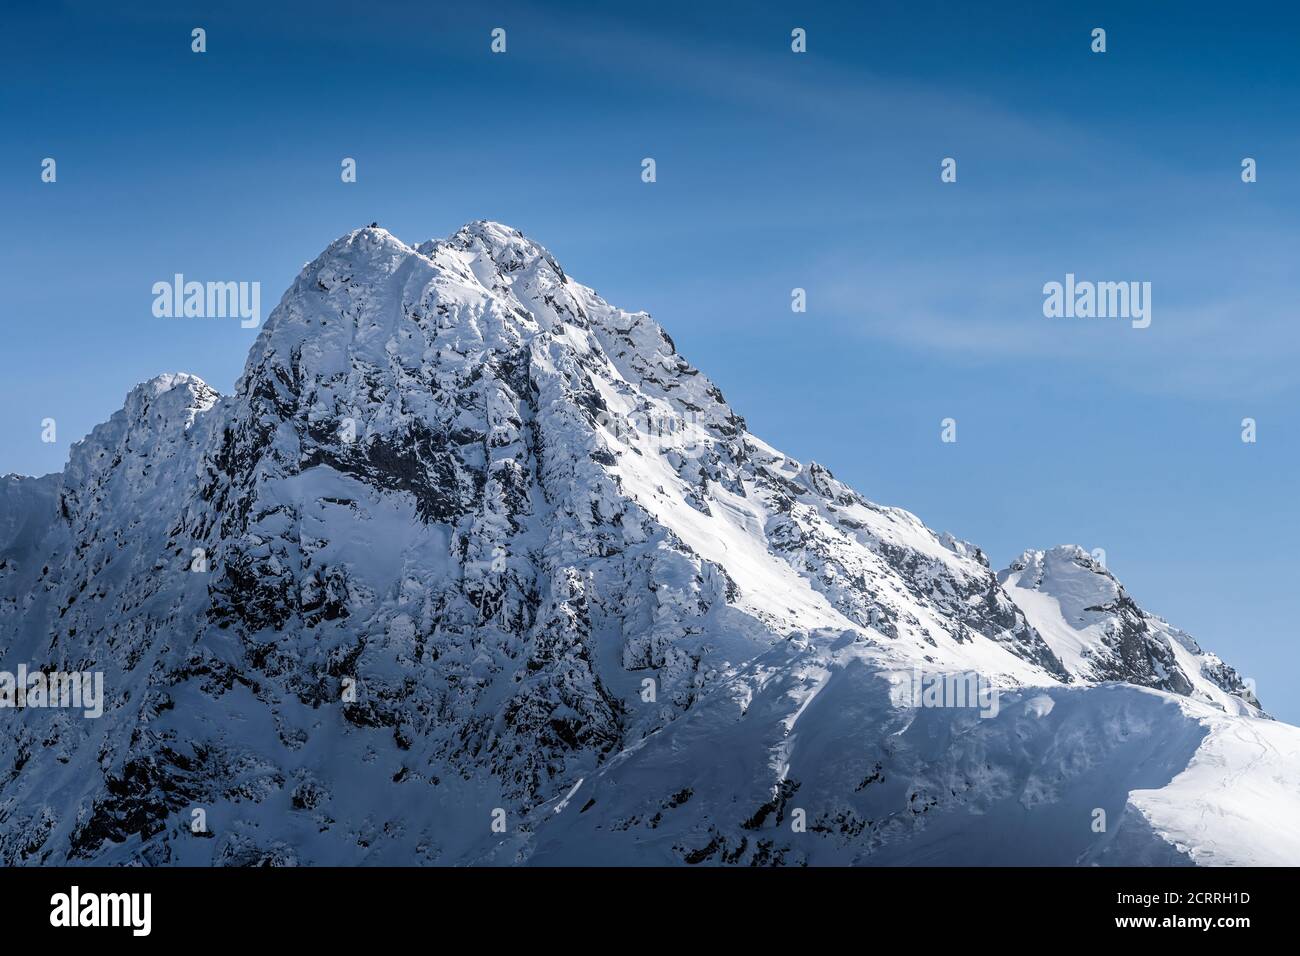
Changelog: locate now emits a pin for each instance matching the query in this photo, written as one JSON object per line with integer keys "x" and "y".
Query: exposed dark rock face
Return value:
{"x": 465, "y": 536}
{"x": 1122, "y": 642}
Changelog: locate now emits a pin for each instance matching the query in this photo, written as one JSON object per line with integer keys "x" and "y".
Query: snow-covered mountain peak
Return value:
{"x": 167, "y": 381}
{"x": 1100, "y": 633}
{"x": 154, "y": 417}
{"x": 1076, "y": 579}
{"x": 372, "y": 248}
{"x": 505, "y": 245}
{"x": 467, "y": 536}
{"x": 177, "y": 395}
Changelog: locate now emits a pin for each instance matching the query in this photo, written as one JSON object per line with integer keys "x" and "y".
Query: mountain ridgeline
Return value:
{"x": 474, "y": 568}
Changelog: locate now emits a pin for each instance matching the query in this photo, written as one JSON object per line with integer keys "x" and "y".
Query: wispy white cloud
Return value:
{"x": 1216, "y": 328}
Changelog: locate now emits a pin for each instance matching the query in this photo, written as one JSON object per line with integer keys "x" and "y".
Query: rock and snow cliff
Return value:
{"x": 1100, "y": 634}
{"x": 474, "y": 567}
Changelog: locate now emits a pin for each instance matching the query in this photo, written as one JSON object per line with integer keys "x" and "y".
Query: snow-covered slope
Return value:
{"x": 1100, "y": 634}
{"x": 805, "y": 760}
{"x": 474, "y": 567}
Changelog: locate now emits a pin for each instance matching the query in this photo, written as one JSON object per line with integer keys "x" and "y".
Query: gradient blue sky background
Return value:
{"x": 774, "y": 171}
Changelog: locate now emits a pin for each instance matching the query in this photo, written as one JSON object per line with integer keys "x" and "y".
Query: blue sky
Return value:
{"x": 775, "y": 170}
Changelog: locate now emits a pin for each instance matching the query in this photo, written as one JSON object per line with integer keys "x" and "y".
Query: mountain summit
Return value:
{"x": 474, "y": 567}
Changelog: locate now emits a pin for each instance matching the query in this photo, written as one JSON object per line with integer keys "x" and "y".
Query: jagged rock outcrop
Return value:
{"x": 1102, "y": 634}
{"x": 468, "y": 545}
